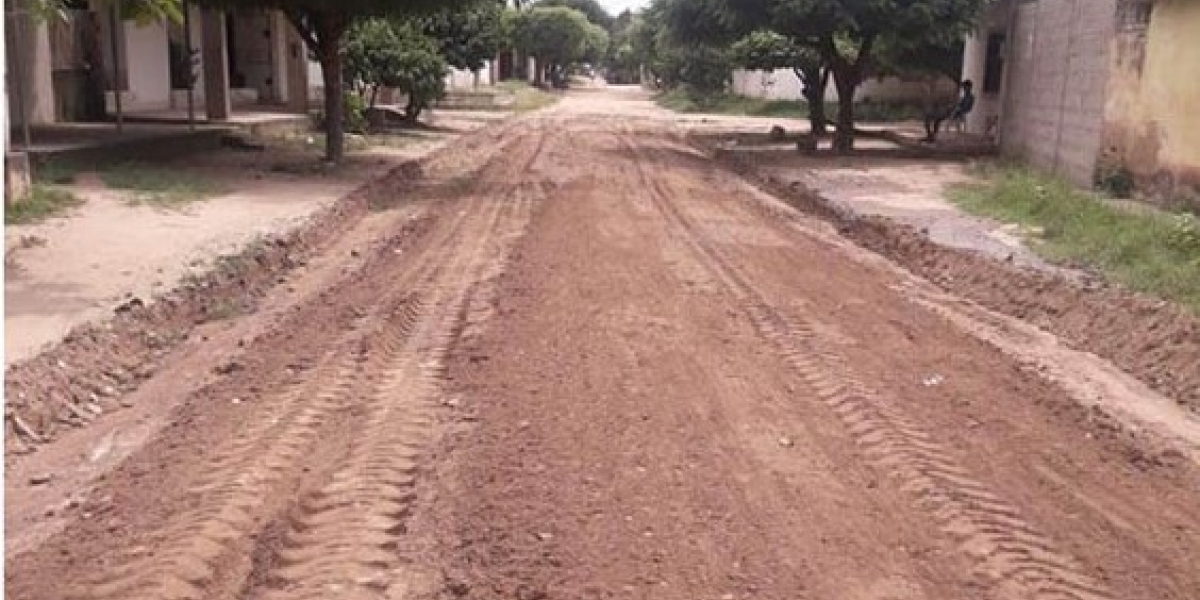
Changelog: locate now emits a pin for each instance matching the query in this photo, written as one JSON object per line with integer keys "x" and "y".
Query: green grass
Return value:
{"x": 1149, "y": 251}
{"x": 689, "y": 101}
{"x": 55, "y": 172}
{"x": 156, "y": 185}
{"x": 44, "y": 201}
{"x": 527, "y": 98}
{"x": 686, "y": 100}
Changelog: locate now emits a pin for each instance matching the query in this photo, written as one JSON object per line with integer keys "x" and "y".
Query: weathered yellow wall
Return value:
{"x": 1153, "y": 109}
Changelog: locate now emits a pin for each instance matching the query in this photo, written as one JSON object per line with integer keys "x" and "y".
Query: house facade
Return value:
{"x": 72, "y": 70}
{"x": 1094, "y": 89}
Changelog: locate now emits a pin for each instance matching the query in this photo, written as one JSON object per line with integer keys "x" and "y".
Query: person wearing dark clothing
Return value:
{"x": 962, "y": 108}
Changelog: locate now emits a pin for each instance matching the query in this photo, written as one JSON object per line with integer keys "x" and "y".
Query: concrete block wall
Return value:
{"x": 1058, "y": 77}
{"x": 783, "y": 84}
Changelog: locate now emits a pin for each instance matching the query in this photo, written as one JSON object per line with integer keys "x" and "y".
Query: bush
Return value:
{"x": 382, "y": 54}
{"x": 355, "y": 111}
{"x": 703, "y": 68}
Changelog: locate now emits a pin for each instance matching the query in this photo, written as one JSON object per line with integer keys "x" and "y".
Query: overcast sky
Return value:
{"x": 616, "y": 6}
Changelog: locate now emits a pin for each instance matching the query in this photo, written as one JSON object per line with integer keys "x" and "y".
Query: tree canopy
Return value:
{"x": 468, "y": 37}
{"x": 384, "y": 53}
{"x": 851, "y": 38}
{"x": 557, "y": 37}
{"x": 592, "y": 9}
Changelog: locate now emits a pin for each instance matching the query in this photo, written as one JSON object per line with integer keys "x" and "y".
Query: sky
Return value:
{"x": 616, "y": 6}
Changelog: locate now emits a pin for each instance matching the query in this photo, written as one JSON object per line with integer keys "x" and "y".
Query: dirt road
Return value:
{"x": 581, "y": 361}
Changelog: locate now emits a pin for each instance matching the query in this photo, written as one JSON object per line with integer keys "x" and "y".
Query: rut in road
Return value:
{"x": 341, "y": 536}
{"x": 1011, "y": 553}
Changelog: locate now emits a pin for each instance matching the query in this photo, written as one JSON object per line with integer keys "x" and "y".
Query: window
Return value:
{"x": 993, "y": 70}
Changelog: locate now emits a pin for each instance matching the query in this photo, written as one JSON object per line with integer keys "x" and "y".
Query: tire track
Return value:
{"x": 204, "y": 552}
{"x": 343, "y": 538}
{"x": 1010, "y": 552}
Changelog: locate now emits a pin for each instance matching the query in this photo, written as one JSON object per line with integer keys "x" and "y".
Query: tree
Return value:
{"x": 323, "y": 25}
{"x": 468, "y": 38}
{"x": 593, "y": 10}
{"x": 622, "y": 61}
{"x": 382, "y": 53}
{"x": 683, "y": 42}
{"x": 557, "y": 37}
{"x": 767, "y": 50}
{"x": 848, "y": 34}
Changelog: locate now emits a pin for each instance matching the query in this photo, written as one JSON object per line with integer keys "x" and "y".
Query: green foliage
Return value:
{"x": 43, "y": 201}
{"x": 623, "y": 62}
{"x": 1145, "y": 250}
{"x": 323, "y": 25}
{"x": 706, "y": 69}
{"x": 384, "y": 53}
{"x": 527, "y": 98}
{"x": 468, "y": 38}
{"x": 853, "y": 38}
{"x": 557, "y": 36}
{"x": 422, "y": 74}
{"x": 766, "y": 50}
{"x": 591, "y": 9}
{"x": 355, "y": 112}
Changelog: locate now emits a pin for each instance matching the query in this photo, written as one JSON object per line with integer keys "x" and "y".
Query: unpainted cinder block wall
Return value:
{"x": 1057, "y": 81}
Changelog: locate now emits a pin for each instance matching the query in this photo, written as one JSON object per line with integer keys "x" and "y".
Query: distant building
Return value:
{"x": 1094, "y": 88}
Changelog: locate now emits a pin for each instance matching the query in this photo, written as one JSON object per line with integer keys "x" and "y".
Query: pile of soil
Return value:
{"x": 1152, "y": 339}
{"x": 97, "y": 364}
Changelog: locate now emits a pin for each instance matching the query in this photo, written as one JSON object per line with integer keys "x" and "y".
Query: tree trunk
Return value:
{"x": 537, "y": 72}
{"x": 335, "y": 127}
{"x": 324, "y": 32}
{"x": 846, "y": 80}
{"x": 815, "y": 82}
{"x": 412, "y": 110}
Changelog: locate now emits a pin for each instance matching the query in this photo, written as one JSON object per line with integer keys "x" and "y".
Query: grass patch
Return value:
{"x": 44, "y": 201}
{"x": 1148, "y": 251}
{"x": 686, "y": 100}
{"x": 55, "y": 172}
{"x": 223, "y": 310}
{"x": 527, "y": 98}
{"x": 158, "y": 186}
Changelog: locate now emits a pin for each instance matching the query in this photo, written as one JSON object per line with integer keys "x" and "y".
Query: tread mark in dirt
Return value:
{"x": 204, "y": 548}
{"x": 342, "y": 541}
{"x": 1009, "y": 551}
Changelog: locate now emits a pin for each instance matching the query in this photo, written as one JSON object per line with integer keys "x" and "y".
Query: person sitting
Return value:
{"x": 962, "y": 108}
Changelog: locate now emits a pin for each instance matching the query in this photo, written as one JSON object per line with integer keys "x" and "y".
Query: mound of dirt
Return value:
{"x": 97, "y": 364}
{"x": 1152, "y": 339}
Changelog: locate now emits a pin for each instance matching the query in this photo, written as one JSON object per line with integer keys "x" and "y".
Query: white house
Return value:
{"x": 70, "y": 70}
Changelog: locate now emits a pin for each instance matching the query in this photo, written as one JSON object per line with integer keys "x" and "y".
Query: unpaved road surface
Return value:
{"x": 580, "y": 361}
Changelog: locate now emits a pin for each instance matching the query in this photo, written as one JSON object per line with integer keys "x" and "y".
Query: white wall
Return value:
{"x": 316, "y": 82}
{"x": 148, "y": 68}
{"x": 783, "y": 84}
{"x": 460, "y": 79}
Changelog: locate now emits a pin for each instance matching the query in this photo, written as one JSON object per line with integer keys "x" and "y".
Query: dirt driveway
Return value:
{"x": 578, "y": 360}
